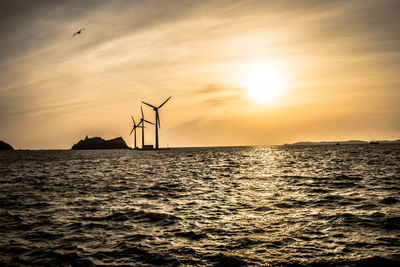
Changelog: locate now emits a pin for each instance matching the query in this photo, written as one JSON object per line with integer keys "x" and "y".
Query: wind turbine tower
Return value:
{"x": 142, "y": 121}
{"x": 158, "y": 124}
{"x": 134, "y": 130}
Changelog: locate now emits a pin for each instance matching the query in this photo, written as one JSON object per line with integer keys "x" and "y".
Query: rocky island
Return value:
{"x": 100, "y": 143}
{"x": 5, "y": 146}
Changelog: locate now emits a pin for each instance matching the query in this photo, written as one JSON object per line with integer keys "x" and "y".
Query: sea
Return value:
{"x": 322, "y": 205}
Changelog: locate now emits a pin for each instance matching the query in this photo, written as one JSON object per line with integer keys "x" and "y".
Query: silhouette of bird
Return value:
{"x": 79, "y": 32}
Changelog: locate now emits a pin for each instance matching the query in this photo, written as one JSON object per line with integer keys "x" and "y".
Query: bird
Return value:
{"x": 78, "y": 32}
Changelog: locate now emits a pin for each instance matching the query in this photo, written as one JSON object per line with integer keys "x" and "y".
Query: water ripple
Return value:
{"x": 312, "y": 206}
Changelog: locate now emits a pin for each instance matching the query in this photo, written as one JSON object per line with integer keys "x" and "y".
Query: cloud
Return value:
{"x": 214, "y": 95}
{"x": 193, "y": 50}
{"x": 221, "y": 101}
{"x": 211, "y": 88}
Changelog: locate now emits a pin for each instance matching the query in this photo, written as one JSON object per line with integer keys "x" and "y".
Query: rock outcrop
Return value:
{"x": 100, "y": 143}
{"x": 5, "y": 146}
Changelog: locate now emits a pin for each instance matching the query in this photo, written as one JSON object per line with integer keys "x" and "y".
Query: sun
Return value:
{"x": 264, "y": 84}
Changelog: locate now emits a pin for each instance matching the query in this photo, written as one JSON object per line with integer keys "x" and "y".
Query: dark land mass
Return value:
{"x": 349, "y": 142}
{"x": 5, "y": 146}
{"x": 100, "y": 143}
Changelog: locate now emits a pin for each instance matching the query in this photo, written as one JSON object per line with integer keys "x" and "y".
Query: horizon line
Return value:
{"x": 346, "y": 142}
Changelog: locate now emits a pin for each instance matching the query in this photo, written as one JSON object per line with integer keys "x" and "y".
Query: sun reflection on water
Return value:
{"x": 262, "y": 205}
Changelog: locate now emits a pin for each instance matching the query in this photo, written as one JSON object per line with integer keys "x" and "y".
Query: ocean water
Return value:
{"x": 265, "y": 206}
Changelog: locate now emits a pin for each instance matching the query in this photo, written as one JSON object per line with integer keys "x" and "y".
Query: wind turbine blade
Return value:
{"x": 148, "y": 104}
{"x": 132, "y": 131}
{"x": 139, "y": 123}
{"x": 164, "y": 102}
{"x": 149, "y": 122}
{"x": 134, "y": 123}
{"x": 158, "y": 121}
{"x": 142, "y": 111}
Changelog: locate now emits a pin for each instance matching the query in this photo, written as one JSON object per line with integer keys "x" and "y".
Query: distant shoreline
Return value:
{"x": 303, "y": 143}
{"x": 348, "y": 142}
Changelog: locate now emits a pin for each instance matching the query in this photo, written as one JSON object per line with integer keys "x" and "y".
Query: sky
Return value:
{"x": 239, "y": 72}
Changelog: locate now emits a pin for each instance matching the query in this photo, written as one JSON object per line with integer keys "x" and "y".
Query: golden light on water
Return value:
{"x": 263, "y": 83}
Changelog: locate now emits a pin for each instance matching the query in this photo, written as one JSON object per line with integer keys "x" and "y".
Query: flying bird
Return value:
{"x": 79, "y": 32}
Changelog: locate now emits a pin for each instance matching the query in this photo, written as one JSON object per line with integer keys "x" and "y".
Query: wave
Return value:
{"x": 392, "y": 261}
{"x": 138, "y": 215}
{"x": 307, "y": 206}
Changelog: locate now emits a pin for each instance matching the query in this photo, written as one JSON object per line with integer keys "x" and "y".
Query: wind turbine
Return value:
{"x": 134, "y": 129}
{"x": 158, "y": 124}
{"x": 142, "y": 121}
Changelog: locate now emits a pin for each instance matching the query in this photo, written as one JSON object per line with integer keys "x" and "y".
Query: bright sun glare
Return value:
{"x": 264, "y": 84}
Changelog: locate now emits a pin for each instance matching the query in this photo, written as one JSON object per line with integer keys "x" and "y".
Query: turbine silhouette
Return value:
{"x": 134, "y": 130}
{"x": 142, "y": 121}
{"x": 158, "y": 124}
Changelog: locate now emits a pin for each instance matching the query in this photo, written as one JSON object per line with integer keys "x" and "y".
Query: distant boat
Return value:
{"x": 151, "y": 147}
{"x": 374, "y": 143}
{"x": 147, "y": 147}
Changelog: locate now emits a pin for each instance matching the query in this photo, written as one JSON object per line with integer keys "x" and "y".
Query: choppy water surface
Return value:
{"x": 201, "y": 206}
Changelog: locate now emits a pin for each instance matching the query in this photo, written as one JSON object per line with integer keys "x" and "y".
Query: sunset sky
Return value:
{"x": 239, "y": 72}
